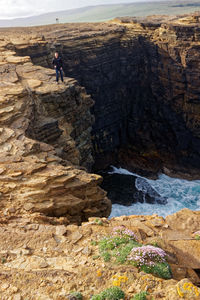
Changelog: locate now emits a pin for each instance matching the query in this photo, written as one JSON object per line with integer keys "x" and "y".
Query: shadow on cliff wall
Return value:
{"x": 140, "y": 94}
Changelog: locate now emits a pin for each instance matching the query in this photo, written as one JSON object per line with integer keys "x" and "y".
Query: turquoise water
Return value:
{"x": 180, "y": 193}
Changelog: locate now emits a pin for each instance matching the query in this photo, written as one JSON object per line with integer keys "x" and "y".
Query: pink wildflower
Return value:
{"x": 197, "y": 233}
{"x": 123, "y": 231}
{"x": 147, "y": 255}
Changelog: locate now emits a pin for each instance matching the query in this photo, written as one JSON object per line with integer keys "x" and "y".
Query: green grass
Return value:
{"x": 107, "y": 12}
{"x": 93, "y": 243}
{"x": 162, "y": 270}
{"x": 123, "y": 251}
{"x": 98, "y": 222}
{"x": 76, "y": 295}
{"x": 106, "y": 256}
{"x": 140, "y": 296}
{"x": 117, "y": 248}
{"x": 3, "y": 260}
{"x": 96, "y": 297}
{"x": 95, "y": 257}
{"x": 113, "y": 293}
{"x": 110, "y": 243}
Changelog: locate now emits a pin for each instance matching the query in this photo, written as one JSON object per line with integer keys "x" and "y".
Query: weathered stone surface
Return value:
{"x": 144, "y": 77}
{"x": 55, "y": 267}
{"x": 37, "y": 174}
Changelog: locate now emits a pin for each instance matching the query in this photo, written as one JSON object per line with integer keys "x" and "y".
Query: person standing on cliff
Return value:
{"x": 58, "y": 66}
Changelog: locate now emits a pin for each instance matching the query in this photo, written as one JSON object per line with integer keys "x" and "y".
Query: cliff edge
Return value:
{"x": 142, "y": 74}
{"x": 39, "y": 175}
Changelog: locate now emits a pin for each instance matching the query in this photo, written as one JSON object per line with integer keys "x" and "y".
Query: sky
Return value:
{"x": 23, "y": 8}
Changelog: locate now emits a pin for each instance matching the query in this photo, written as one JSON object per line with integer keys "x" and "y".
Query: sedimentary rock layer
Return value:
{"x": 42, "y": 174}
{"x": 143, "y": 75}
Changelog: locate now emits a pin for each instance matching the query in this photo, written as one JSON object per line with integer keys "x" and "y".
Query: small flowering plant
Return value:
{"x": 150, "y": 259}
{"x": 122, "y": 247}
{"x": 147, "y": 255}
{"x": 118, "y": 245}
{"x": 122, "y": 231}
{"x": 197, "y": 235}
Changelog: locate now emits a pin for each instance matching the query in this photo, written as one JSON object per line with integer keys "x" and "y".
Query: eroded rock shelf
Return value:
{"x": 40, "y": 174}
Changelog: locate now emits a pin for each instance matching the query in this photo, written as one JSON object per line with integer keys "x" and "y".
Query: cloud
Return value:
{"x": 19, "y": 8}
{"x": 23, "y": 8}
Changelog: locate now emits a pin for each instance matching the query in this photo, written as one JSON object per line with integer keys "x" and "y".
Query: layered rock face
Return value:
{"x": 143, "y": 76}
{"x": 39, "y": 175}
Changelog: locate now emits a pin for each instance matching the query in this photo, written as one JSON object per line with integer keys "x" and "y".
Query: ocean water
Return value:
{"x": 180, "y": 193}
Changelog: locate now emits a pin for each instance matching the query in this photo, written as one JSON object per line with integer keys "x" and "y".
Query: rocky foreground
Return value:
{"x": 41, "y": 258}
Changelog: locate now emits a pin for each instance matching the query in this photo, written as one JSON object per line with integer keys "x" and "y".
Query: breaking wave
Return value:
{"x": 180, "y": 194}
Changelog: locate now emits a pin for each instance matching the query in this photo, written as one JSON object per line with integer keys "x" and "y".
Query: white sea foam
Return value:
{"x": 180, "y": 193}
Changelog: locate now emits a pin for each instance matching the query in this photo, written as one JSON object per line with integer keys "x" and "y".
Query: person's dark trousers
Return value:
{"x": 57, "y": 74}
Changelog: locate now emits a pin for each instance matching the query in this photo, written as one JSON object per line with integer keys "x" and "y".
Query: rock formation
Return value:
{"x": 40, "y": 174}
{"x": 143, "y": 76}
{"x": 144, "y": 112}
